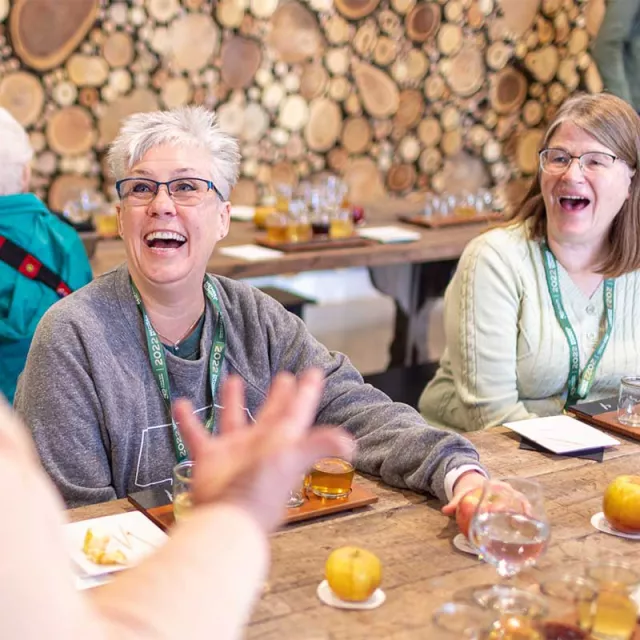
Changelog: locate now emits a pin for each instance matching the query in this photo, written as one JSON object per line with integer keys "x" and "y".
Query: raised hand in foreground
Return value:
{"x": 254, "y": 466}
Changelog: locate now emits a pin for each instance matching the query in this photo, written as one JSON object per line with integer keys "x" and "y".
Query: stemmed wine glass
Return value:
{"x": 510, "y": 526}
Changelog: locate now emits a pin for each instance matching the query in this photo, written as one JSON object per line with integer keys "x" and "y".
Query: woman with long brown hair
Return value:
{"x": 542, "y": 311}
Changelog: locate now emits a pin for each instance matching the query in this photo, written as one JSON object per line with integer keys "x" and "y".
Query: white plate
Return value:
{"x": 91, "y": 582}
{"x": 133, "y": 529}
{"x": 328, "y": 597}
{"x": 461, "y": 543}
{"x": 562, "y": 434}
{"x": 601, "y": 524}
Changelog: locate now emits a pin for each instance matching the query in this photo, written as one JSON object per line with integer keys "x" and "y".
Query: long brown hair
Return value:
{"x": 614, "y": 124}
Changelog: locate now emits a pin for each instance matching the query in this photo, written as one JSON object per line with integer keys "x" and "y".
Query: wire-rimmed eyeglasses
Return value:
{"x": 183, "y": 191}
{"x": 557, "y": 161}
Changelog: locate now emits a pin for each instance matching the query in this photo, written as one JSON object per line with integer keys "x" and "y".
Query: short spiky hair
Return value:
{"x": 186, "y": 126}
{"x": 15, "y": 154}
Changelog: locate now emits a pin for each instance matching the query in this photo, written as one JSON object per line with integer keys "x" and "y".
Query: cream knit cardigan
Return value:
{"x": 506, "y": 357}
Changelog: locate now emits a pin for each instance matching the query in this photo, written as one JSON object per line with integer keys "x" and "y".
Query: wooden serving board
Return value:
{"x": 438, "y": 222}
{"x": 604, "y": 415}
{"x": 315, "y": 245}
{"x": 156, "y": 506}
{"x": 607, "y": 421}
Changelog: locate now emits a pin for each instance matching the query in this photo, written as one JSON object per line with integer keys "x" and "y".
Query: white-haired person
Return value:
{"x": 41, "y": 258}
{"x": 205, "y": 579}
{"x": 105, "y": 364}
{"x": 542, "y": 311}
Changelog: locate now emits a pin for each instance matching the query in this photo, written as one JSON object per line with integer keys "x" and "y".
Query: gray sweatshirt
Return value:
{"x": 102, "y": 428}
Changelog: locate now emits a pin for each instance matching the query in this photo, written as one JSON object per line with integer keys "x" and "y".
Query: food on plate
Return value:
{"x": 621, "y": 504}
{"x": 96, "y": 548}
{"x": 353, "y": 574}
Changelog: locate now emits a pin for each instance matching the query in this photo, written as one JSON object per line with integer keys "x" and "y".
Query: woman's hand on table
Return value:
{"x": 256, "y": 465}
{"x": 466, "y": 482}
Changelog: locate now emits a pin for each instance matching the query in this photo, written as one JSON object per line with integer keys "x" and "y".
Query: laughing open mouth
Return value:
{"x": 164, "y": 240}
{"x": 574, "y": 203}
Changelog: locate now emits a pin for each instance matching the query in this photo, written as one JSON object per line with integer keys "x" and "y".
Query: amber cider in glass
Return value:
{"x": 331, "y": 478}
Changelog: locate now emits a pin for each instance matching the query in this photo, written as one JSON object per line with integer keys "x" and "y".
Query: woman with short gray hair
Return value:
{"x": 105, "y": 366}
{"x": 41, "y": 257}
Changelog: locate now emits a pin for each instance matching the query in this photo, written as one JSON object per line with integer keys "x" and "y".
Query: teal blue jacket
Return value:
{"x": 25, "y": 220}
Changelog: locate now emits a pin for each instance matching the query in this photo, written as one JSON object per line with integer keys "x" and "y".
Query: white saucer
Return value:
{"x": 328, "y": 597}
{"x": 601, "y": 524}
{"x": 461, "y": 543}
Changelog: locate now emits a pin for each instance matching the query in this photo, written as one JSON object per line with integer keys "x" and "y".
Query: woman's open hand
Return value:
{"x": 256, "y": 465}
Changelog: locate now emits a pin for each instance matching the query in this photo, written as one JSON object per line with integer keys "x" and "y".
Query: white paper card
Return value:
{"x": 251, "y": 252}
{"x": 562, "y": 434}
{"x": 245, "y": 214}
{"x": 389, "y": 234}
{"x": 132, "y": 533}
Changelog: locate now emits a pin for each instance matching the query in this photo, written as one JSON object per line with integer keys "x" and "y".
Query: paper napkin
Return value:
{"x": 251, "y": 252}
{"x": 389, "y": 234}
{"x": 562, "y": 434}
{"x": 244, "y": 214}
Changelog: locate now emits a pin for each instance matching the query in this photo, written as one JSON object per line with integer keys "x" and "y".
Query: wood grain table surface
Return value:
{"x": 421, "y": 568}
{"x": 434, "y": 245}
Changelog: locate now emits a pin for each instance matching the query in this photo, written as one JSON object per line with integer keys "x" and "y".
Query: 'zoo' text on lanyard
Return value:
{"x": 578, "y": 386}
{"x": 159, "y": 364}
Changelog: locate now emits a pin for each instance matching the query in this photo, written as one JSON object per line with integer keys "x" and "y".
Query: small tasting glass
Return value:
{"x": 182, "y": 483}
{"x": 296, "y": 495}
{"x": 331, "y": 478}
{"x": 615, "y": 610}
{"x": 629, "y": 401}
{"x": 341, "y": 224}
{"x": 277, "y": 227}
{"x": 517, "y": 613}
{"x": 571, "y": 602}
{"x": 457, "y": 620}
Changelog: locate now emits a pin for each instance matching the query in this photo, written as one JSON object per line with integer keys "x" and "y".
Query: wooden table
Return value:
{"x": 433, "y": 246}
{"x": 421, "y": 567}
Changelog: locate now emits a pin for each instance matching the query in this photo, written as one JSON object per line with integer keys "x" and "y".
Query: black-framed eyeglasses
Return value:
{"x": 557, "y": 161}
{"x": 184, "y": 191}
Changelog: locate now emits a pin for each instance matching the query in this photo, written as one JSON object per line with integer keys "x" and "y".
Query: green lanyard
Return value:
{"x": 159, "y": 364}
{"x": 578, "y": 386}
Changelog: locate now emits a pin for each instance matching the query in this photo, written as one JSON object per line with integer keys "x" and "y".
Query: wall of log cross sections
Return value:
{"x": 395, "y": 95}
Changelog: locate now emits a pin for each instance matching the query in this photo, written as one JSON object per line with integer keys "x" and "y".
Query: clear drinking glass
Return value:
{"x": 466, "y": 205}
{"x": 296, "y": 495}
{"x": 510, "y": 526}
{"x": 298, "y": 224}
{"x": 484, "y": 201}
{"x": 182, "y": 482}
{"x": 517, "y": 614}
{"x": 571, "y": 602}
{"x": 456, "y": 620}
{"x": 331, "y": 478}
{"x": 615, "y": 610}
{"x": 341, "y": 224}
{"x": 629, "y": 401}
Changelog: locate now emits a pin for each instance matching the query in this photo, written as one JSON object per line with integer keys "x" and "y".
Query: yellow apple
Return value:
{"x": 353, "y": 574}
{"x": 621, "y": 504}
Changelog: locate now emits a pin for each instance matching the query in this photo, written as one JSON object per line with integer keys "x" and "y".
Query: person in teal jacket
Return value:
{"x": 26, "y": 222}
